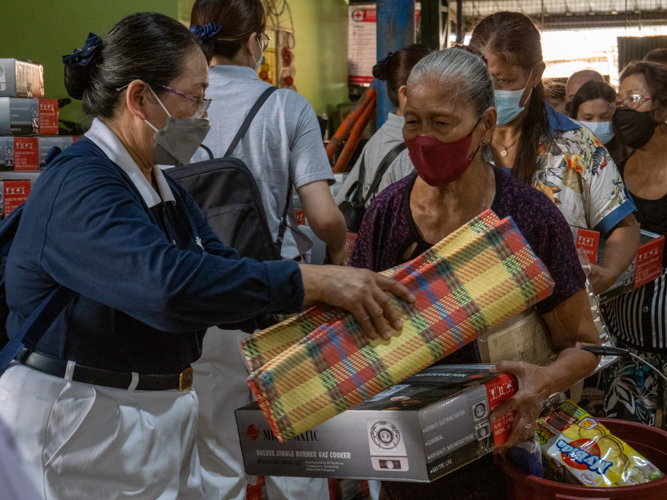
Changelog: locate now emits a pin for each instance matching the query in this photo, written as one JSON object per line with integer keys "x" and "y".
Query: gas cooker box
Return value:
{"x": 28, "y": 154}
{"x": 23, "y": 117}
{"x": 21, "y": 78}
{"x": 646, "y": 267}
{"x": 429, "y": 425}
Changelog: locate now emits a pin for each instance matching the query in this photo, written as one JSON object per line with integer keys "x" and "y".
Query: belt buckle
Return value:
{"x": 185, "y": 379}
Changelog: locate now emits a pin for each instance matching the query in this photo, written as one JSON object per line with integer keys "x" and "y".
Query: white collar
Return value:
{"x": 108, "y": 142}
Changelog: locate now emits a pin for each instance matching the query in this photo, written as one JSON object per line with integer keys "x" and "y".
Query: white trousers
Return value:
{"x": 82, "y": 442}
{"x": 220, "y": 381}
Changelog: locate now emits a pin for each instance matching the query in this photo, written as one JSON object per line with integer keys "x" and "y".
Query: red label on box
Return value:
{"x": 48, "y": 116}
{"x": 498, "y": 390}
{"x": 26, "y": 154}
{"x": 588, "y": 241}
{"x": 300, "y": 217}
{"x": 15, "y": 193}
{"x": 649, "y": 262}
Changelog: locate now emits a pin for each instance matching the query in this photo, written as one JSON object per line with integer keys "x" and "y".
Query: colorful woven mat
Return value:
{"x": 318, "y": 364}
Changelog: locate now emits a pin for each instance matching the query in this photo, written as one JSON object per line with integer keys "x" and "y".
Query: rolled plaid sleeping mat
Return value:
{"x": 318, "y": 364}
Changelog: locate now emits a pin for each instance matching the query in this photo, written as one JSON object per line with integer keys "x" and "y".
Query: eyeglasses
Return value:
{"x": 202, "y": 104}
{"x": 266, "y": 39}
{"x": 633, "y": 102}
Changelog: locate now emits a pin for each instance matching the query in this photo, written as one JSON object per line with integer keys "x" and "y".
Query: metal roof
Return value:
{"x": 560, "y": 14}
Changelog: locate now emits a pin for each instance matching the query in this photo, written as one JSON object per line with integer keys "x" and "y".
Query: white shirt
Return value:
{"x": 110, "y": 144}
{"x": 283, "y": 144}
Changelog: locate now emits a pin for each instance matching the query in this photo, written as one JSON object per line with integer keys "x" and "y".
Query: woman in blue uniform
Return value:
{"x": 102, "y": 408}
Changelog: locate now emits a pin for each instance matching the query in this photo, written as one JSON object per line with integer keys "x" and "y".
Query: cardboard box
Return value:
{"x": 21, "y": 78}
{"x": 428, "y": 426}
{"x": 23, "y": 117}
{"x": 13, "y": 194}
{"x": 28, "y": 154}
{"x": 646, "y": 267}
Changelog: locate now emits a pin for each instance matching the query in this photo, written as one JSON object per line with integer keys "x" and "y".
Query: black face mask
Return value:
{"x": 633, "y": 128}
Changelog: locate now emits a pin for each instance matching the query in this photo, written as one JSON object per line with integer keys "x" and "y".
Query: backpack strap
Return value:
{"x": 36, "y": 325}
{"x": 251, "y": 116}
{"x": 284, "y": 222}
{"x": 355, "y": 192}
{"x": 382, "y": 169}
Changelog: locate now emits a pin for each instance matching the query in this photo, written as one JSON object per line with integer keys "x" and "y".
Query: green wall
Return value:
{"x": 44, "y": 30}
{"x": 321, "y": 51}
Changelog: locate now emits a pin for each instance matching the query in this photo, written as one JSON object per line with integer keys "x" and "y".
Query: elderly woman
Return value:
{"x": 545, "y": 149}
{"x": 102, "y": 406}
{"x": 449, "y": 122}
{"x": 633, "y": 392}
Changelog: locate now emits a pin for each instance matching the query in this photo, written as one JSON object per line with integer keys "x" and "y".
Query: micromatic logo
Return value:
{"x": 306, "y": 436}
{"x": 593, "y": 462}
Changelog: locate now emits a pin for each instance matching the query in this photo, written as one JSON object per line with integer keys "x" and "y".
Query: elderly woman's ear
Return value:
{"x": 488, "y": 123}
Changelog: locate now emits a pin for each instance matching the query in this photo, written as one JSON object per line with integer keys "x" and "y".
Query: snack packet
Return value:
{"x": 576, "y": 446}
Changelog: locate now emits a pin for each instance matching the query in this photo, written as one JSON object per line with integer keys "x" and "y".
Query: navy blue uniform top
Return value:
{"x": 151, "y": 280}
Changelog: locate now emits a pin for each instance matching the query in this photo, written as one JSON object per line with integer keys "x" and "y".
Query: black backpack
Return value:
{"x": 354, "y": 206}
{"x": 226, "y": 191}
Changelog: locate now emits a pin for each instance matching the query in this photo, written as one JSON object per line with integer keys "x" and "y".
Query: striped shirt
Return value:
{"x": 640, "y": 317}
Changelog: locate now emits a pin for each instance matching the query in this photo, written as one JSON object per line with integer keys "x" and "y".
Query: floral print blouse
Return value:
{"x": 577, "y": 173}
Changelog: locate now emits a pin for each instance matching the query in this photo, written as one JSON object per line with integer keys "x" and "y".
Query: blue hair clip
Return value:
{"x": 84, "y": 55}
{"x": 205, "y": 32}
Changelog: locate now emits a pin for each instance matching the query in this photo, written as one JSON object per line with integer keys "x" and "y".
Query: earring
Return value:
{"x": 483, "y": 143}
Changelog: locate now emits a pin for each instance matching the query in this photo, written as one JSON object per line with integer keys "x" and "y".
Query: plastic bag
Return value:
{"x": 577, "y": 449}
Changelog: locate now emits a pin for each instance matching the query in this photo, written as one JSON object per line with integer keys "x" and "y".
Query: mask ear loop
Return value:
{"x": 163, "y": 107}
{"x": 524, "y": 90}
{"x": 472, "y": 132}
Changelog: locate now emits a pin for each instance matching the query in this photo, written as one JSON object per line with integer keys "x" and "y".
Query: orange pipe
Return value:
{"x": 349, "y": 122}
{"x": 355, "y": 137}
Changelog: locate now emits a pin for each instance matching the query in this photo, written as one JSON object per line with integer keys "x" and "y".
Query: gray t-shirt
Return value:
{"x": 283, "y": 144}
{"x": 389, "y": 136}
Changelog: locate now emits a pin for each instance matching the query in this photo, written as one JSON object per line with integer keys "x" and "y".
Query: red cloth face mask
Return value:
{"x": 440, "y": 162}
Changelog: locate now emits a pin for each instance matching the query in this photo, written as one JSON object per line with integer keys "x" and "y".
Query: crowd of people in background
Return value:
{"x": 474, "y": 128}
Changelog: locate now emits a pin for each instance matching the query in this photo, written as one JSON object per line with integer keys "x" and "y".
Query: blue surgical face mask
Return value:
{"x": 507, "y": 103}
{"x": 602, "y": 130}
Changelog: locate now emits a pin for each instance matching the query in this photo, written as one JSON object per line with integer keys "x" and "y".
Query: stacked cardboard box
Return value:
{"x": 28, "y": 128}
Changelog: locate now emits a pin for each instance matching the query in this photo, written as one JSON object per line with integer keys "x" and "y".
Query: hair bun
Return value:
{"x": 79, "y": 64}
{"x": 76, "y": 80}
{"x": 380, "y": 70}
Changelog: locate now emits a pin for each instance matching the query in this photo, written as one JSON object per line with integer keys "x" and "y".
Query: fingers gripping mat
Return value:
{"x": 318, "y": 364}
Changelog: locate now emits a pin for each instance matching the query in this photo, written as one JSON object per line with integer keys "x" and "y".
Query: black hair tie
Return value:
{"x": 380, "y": 69}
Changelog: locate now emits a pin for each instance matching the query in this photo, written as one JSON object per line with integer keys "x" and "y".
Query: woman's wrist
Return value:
{"x": 311, "y": 284}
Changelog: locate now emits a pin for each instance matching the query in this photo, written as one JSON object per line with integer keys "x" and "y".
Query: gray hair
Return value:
{"x": 460, "y": 71}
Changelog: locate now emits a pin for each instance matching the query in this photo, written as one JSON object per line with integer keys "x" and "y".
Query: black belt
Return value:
{"x": 96, "y": 376}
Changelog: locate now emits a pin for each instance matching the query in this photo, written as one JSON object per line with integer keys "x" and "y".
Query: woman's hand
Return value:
{"x": 338, "y": 258}
{"x": 359, "y": 291}
{"x": 534, "y": 382}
